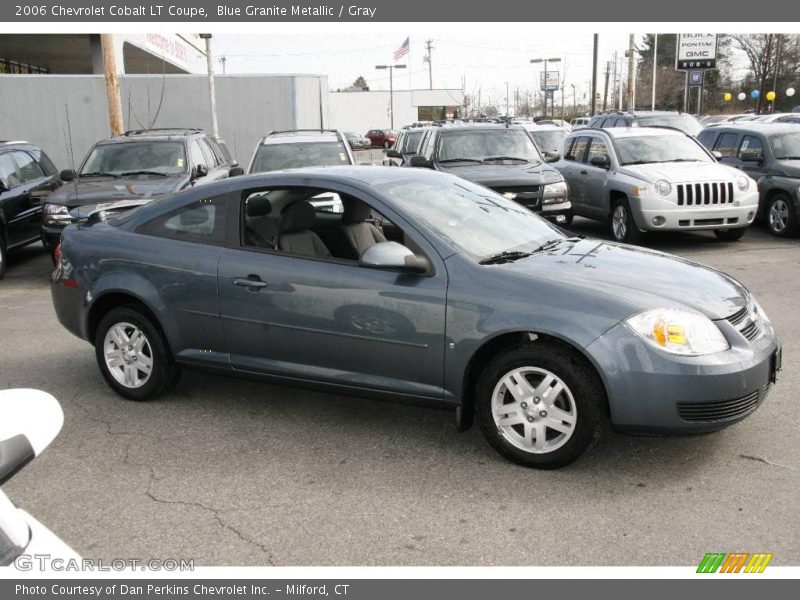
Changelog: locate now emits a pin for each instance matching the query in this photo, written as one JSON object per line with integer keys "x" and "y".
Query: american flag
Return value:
{"x": 401, "y": 51}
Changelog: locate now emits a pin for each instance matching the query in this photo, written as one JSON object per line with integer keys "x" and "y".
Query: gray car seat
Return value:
{"x": 261, "y": 229}
{"x": 296, "y": 236}
{"x": 359, "y": 234}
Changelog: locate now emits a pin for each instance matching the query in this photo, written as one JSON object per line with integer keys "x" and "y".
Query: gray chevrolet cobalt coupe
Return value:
{"x": 426, "y": 288}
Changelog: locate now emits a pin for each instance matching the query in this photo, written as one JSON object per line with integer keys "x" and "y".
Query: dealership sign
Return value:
{"x": 696, "y": 51}
{"x": 551, "y": 84}
{"x": 169, "y": 47}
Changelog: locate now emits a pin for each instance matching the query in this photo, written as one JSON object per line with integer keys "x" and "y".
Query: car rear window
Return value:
{"x": 273, "y": 157}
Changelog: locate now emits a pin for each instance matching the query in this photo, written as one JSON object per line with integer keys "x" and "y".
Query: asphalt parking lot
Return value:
{"x": 231, "y": 472}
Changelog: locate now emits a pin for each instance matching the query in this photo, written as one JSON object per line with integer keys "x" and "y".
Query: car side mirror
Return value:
{"x": 391, "y": 255}
{"x": 392, "y": 153}
{"x": 717, "y": 155}
{"x": 755, "y": 157}
{"x": 551, "y": 156}
{"x": 4, "y": 187}
{"x": 600, "y": 161}
{"x": 31, "y": 420}
{"x": 420, "y": 161}
{"x": 67, "y": 175}
{"x": 235, "y": 171}
{"x": 200, "y": 171}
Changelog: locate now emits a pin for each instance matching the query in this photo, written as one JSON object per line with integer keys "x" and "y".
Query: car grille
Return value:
{"x": 721, "y": 410}
{"x": 705, "y": 194}
{"x": 529, "y": 196}
{"x": 746, "y": 322}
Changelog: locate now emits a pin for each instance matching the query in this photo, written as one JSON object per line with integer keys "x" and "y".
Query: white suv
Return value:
{"x": 642, "y": 179}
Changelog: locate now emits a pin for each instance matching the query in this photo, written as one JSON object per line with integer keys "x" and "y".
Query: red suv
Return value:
{"x": 382, "y": 138}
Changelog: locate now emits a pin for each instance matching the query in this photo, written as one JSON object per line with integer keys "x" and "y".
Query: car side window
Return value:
{"x": 429, "y": 147}
{"x": 598, "y": 148}
{"x": 577, "y": 151}
{"x": 208, "y": 152}
{"x": 196, "y": 154}
{"x": 706, "y": 138}
{"x": 8, "y": 170}
{"x": 752, "y": 147}
{"x": 29, "y": 169}
{"x": 726, "y": 144}
{"x": 202, "y": 221}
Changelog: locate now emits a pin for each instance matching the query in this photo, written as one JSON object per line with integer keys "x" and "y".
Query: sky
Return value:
{"x": 483, "y": 63}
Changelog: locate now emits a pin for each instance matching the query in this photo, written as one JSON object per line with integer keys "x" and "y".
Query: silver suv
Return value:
{"x": 642, "y": 179}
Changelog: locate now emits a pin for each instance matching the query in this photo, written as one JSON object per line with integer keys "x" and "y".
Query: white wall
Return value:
{"x": 362, "y": 111}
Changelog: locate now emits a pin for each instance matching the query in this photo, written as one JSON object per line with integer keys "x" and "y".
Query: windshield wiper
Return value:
{"x": 143, "y": 172}
{"x": 450, "y": 160}
{"x": 788, "y": 157}
{"x": 492, "y": 158}
{"x": 549, "y": 244}
{"x": 98, "y": 174}
{"x": 504, "y": 257}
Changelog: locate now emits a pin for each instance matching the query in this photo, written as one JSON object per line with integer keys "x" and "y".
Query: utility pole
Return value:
{"x": 508, "y": 100}
{"x": 605, "y": 91}
{"x": 614, "y": 93}
{"x": 112, "y": 83}
{"x": 594, "y": 76}
{"x": 574, "y": 100}
{"x": 777, "y": 65}
{"x": 655, "y": 71}
{"x": 212, "y": 97}
{"x": 631, "y": 73}
{"x": 391, "y": 90}
{"x": 429, "y": 59}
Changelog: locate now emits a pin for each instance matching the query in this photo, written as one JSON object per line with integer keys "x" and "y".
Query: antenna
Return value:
{"x": 71, "y": 153}
{"x": 163, "y": 87}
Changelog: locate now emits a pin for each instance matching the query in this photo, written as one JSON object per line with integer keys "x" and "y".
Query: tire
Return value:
{"x": 623, "y": 228}
{"x": 581, "y": 399}
{"x": 730, "y": 235}
{"x": 163, "y": 373}
{"x": 386, "y": 144}
{"x": 568, "y": 220}
{"x": 781, "y": 216}
{"x": 3, "y": 256}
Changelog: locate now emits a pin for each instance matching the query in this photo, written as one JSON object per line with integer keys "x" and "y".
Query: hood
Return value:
{"x": 788, "y": 168}
{"x": 678, "y": 172}
{"x": 107, "y": 209}
{"x": 94, "y": 190}
{"x": 500, "y": 175}
{"x": 639, "y": 278}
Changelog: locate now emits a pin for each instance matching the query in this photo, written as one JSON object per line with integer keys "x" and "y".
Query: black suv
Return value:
{"x": 770, "y": 154}
{"x": 647, "y": 118}
{"x": 134, "y": 168}
{"x": 27, "y": 177}
{"x": 502, "y": 158}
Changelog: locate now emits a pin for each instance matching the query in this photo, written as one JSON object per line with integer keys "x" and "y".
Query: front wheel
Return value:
{"x": 781, "y": 216}
{"x": 729, "y": 235}
{"x": 623, "y": 227}
{"x": 133, "y": 355}
{"x": 540, "y": 405}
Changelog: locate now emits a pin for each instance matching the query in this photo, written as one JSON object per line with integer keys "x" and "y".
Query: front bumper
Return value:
{"x": 51, "y": 236}
{"x": 652, "y": 391}
{"x": 558, "y": 213}
{"x": 649, "y": 210}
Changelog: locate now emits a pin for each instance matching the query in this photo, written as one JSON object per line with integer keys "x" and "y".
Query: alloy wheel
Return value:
{"x": 778, "y": 215}
{"x": 128, "y": 355}
{"x": 534, "y": 410}
{"x": 619, "y": 222}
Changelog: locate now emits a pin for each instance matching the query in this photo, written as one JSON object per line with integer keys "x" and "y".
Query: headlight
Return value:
{"x": 56, "y": 214}
{"x": 663, "y": 187}
{"x": 742, "y": 183}
{"x": 678, "y": 331}
{"x": 555, "y": 192}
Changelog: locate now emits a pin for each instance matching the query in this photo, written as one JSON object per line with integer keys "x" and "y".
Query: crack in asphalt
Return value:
{"x": 153, "y": 478}
{"x": 769, "y": 462}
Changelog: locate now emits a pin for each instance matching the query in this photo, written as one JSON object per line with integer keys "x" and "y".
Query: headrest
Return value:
{"x": 298, "y": 216}
{"x": 355, "y": 211}
{"x": 258, "y": 206}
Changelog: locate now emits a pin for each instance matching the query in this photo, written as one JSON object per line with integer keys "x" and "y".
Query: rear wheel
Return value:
{"x": 540, "y": 405}
{"x": 623, "y": 227}
{"x": 730, "y": 235}
{"x": 781, "y": 216}
{"x": 133, "y": 355}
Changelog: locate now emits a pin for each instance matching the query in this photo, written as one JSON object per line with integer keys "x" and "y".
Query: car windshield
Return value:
{"x": 786, "y": 146}
{"x": 549, "y": 140}
{"x": 686, "y": 123}
{"x": 480, "y": 145}
{"x": 167, "y": 158}
{"x": 474, "y": 219}
{"x": 273, "y": 157}
{"x": 659, "y": 149}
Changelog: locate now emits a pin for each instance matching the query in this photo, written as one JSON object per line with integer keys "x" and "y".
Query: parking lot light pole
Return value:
{"x": 545, "y": 61}
{"x": 211, "y": 91}
{"x": 391, "y": 90}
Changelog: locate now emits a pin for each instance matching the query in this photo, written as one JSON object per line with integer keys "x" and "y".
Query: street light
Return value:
{"x": 391, "y": 90}
{"x": 211, "y": 93}
{"x": 545, "y": 61}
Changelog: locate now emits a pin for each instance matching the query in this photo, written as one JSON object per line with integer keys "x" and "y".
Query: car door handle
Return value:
{"x": 584, "y": 172}
{"x": 251, "y": 281}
